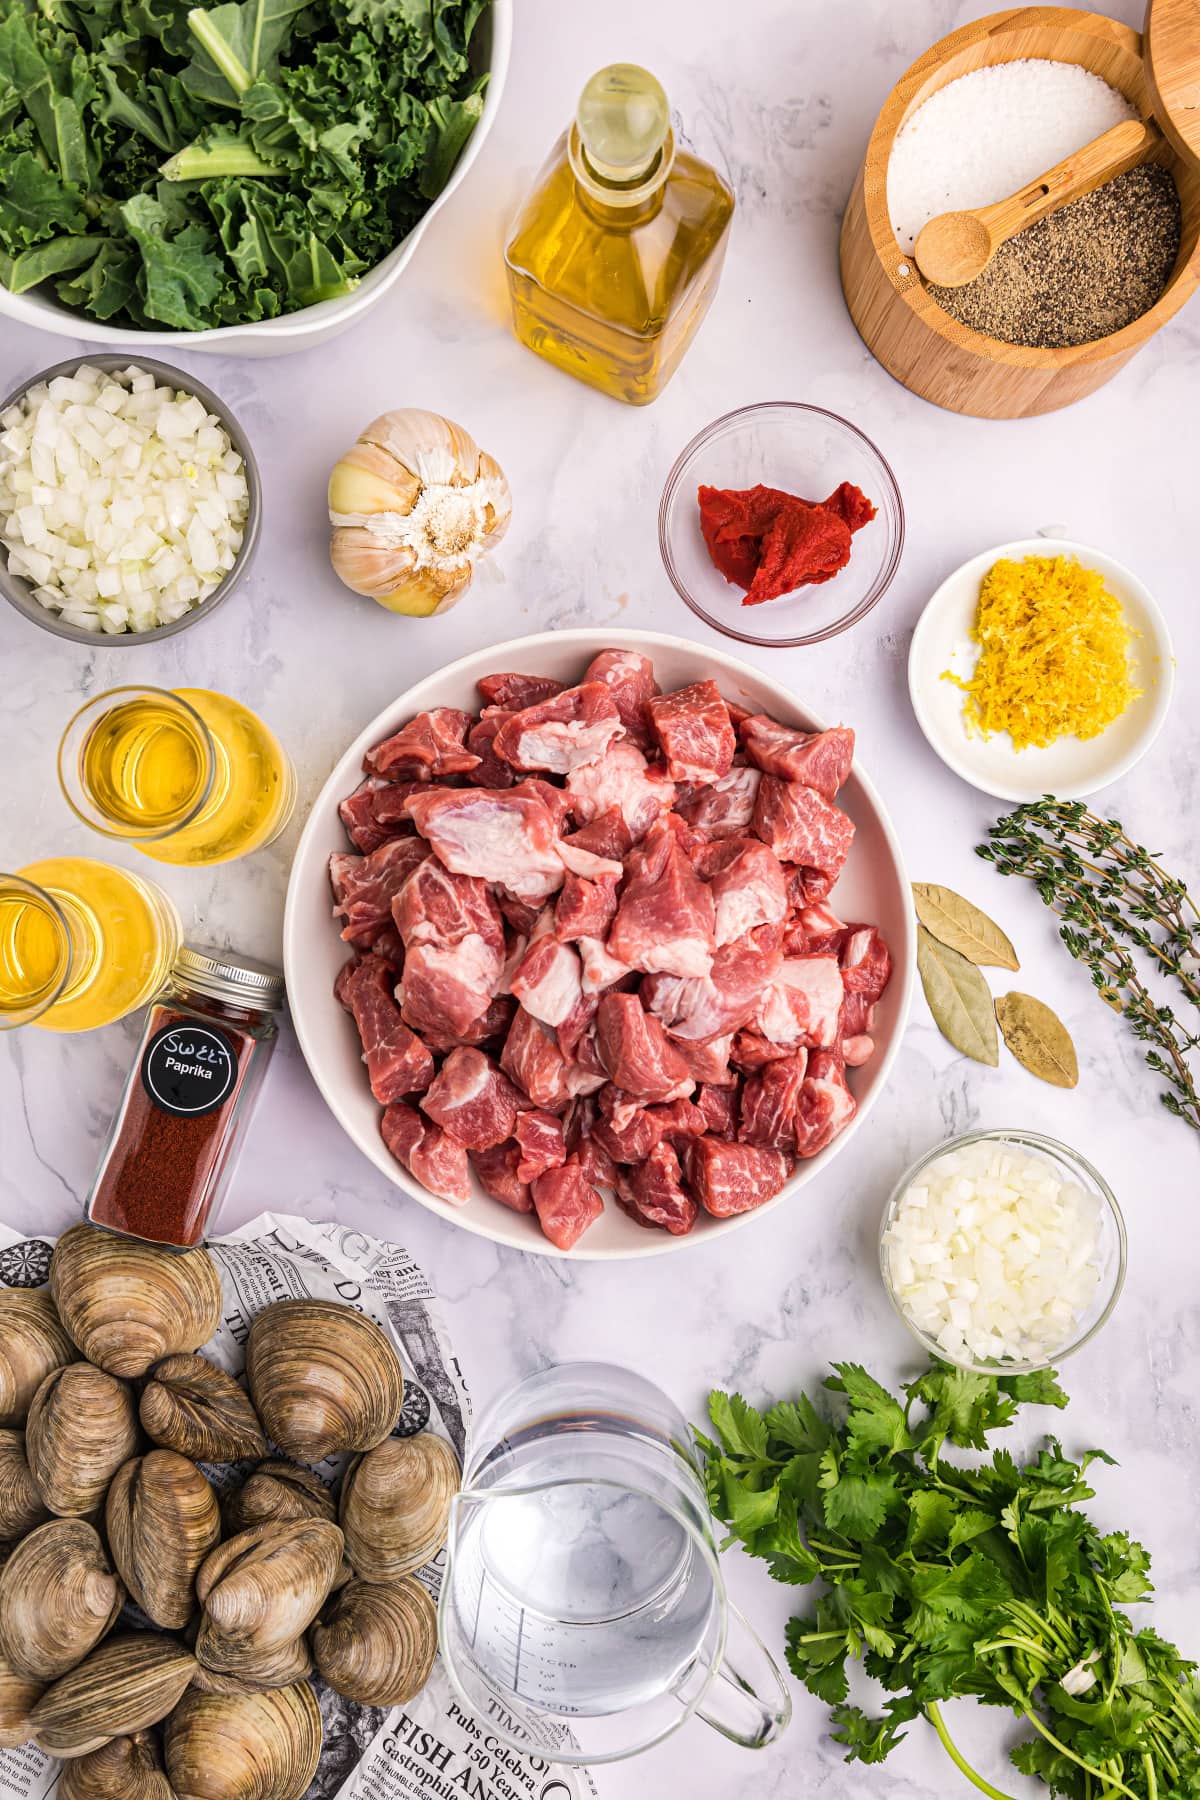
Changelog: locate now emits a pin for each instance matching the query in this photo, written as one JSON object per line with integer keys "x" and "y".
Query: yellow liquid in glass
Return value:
{"x": 147, "y": 768}
{"x": 614, "y": 295}
{"x": 123, "y": 937}
{"x": 34, "y": 953}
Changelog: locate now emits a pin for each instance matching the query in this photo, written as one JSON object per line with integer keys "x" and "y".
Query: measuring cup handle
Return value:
{"x": 734, "y": 1704}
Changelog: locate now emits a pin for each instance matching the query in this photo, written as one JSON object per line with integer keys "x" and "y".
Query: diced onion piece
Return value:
{"x": 994, "y": 1255}
{"x": 123, "y": 502}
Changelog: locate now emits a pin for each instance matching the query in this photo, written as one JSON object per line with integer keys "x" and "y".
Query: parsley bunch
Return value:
{"x": 947, "y": 1580}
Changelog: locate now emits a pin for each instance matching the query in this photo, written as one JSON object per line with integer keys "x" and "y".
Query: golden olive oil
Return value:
{"x": 113, "y": 935}
{"x": 616, "y": 254}
{"x": 197, "y": 783}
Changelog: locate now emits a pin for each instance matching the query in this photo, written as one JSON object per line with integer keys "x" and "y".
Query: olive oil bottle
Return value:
{"x": 616, "y": 253}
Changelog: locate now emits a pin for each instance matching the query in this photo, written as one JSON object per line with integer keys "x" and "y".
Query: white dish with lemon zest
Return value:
{"x": 1071, "y": 767}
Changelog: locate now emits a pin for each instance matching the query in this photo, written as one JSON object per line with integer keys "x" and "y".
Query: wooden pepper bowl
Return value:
{"x": 915, "y": 340}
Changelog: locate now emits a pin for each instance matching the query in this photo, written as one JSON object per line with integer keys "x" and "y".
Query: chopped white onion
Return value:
{"x": 124, "y": 503}
{"x": 994, "y": 1255}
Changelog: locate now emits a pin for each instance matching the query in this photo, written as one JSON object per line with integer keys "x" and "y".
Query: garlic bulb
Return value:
{"x": 414, "y": 505}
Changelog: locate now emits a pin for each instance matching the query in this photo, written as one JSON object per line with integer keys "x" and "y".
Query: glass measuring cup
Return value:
{"x": 583, "y": 1613}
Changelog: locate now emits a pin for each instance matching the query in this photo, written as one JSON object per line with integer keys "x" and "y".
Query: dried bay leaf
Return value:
{"x": 1038, "y": 1039}
{"x": 959, "y": 999}
{"x": 957, "y": 923}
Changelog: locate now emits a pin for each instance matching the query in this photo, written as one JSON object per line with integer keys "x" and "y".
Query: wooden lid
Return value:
{"x": 1172, "y": 59}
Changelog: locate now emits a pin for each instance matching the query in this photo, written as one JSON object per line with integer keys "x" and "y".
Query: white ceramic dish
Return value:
{"x": 873, "y": 887}
{"x": 1073, "y": 767}
{"x": 310, "y": 325}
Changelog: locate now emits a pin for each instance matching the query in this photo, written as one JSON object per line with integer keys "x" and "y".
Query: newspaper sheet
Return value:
{"x": 432, "y": 1748}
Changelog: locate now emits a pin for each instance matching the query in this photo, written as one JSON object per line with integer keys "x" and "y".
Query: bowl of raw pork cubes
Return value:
{"x": 599, "y": 946}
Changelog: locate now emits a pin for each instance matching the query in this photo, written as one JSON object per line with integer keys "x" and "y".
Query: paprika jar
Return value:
{"x": 188, "y": 1098}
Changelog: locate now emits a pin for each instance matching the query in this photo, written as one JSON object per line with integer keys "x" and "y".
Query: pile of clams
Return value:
{"x": 242, "y": 1590}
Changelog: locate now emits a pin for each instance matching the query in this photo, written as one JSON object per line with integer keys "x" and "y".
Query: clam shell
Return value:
{"x": 252, "y": 1670}
{"x": 130, "y": 1682}
{"x": 33, "y": 1341}
{"x": 129, "y": 1304}
{"x": 18, "y": 1697}
{"x": 278, "y": 1490}
{"x": 323, "y": 1378}
{"x": 244, "y": 1746}
{"x": 196, "y": 1407}
{"x": 58, "y": 1597}
{"x": 395, "y": 1508}
{"x": 81, "y": 1427}
{"x": 20, "y": 1503}
{"x": 261, "y": 1591}
{"x": 128, "y": 1768}
{"x": 162, "y": 1519}
{"x": 375, "y": 1642}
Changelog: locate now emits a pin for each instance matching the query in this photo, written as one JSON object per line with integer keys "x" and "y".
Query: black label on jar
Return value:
{"x": 189, "y": 1070}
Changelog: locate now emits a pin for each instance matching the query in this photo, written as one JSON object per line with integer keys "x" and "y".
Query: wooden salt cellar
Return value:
{"x": 923, "y": 346}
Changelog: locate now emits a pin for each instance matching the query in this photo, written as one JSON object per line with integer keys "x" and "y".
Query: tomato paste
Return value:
{"x": 771, "y": 543}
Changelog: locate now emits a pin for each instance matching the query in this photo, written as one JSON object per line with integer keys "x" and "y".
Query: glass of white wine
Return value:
{"x": 185, "y": 775}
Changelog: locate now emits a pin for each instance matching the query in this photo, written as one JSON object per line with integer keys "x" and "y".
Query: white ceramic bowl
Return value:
{"x": 310, "y": 325}
{"x": 874, "y": 887}
{"x": 1073, "y": 767}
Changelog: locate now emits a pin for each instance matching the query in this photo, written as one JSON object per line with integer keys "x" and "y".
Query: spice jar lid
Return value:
{"x": 228, "y": 975}
{"x": 1171, "y": 53}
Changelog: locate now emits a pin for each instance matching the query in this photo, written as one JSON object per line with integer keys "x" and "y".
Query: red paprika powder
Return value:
{"x": 187, "y": 1099}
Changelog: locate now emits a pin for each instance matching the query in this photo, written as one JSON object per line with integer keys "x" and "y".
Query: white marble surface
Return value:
{"x": 785, "y": 109}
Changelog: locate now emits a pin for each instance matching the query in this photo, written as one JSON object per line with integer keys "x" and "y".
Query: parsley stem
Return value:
{"x": 934, "y": 1714}
{"x": 1106, "y": 1781}
{"x": 1151, "y": 1777}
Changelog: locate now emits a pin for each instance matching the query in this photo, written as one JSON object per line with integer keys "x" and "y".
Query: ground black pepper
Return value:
{"x": 1087, "y": 270}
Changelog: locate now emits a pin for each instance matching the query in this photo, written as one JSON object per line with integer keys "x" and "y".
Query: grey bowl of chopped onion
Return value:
{"x": 130, "y": 500}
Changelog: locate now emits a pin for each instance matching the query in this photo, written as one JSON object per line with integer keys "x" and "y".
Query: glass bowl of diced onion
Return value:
{"x": 1003, "y": 1251}
{"x": 205, "y": 417}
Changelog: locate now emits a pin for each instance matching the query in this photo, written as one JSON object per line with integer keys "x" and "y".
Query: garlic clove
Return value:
{"x": 432, "y": 591}
{"x": 369, "y": 480}
{"x": 366, "y": 565}
{"x": 437, "y": 451}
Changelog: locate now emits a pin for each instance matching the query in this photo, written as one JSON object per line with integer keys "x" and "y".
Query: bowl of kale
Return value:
{"x": 250, "y": 176}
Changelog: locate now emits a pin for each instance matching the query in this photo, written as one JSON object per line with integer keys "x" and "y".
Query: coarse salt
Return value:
{"x": 989, "y": 133}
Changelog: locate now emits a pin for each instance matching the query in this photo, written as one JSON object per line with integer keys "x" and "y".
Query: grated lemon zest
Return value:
{"x": 1054, "y": 654}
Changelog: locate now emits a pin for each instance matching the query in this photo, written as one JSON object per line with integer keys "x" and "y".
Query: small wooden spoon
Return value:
{"x": 957, "y": 246}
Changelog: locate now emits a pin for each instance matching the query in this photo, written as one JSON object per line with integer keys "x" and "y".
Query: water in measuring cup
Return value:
{"x": 582, "y": 1598}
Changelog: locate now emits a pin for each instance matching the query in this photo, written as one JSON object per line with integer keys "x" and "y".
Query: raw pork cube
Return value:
{"x": 800, "y": 826}
{"x": 357, "y": 813}
{"x": 516, "y": 691}
{"x": 584, "y": 909}
{"x": 435, "y": 906}
{"x": 472, "y": 1101}
{"x": 733, "y": 1178}
{"x": 723, "y": 1000}
{"x": 365, "y": 886}
{"x": 665, "y": 917}
{"x": 428, "y": 747}
{"x": 630, "y": 676}
{"x": 600, "y": 968}
{"x": 752, "y": 1052}
{"x": 629, "y": 1131}
{"x": 695, "y": 731}
{"x": 747, "y": 885}
{"x": 397, "y": 1061}
{"x": 769, "y": 1104}
{"x": 493, "y": 771}
{"x": 623, "y": 779}
{"x": 608, "y": 836}
{"x": 489, "y": 1030}
{"x": 448, "y": 988}
{"x": 636, "y": 1053}
{"x": 432, "y": 1158}
{"x": 708, "y": 1060}
{"x": 817, "y": 759}
{"x": 721, "y": 808}
{"x": 532, "y": 1059}
{"x": 547, "y": 981}
{"x": 574, "y": 727}
{"x": 541, "y": 1143}
{"x": 866, "y": 962}
{"x": 566, "y": 1203}
{"x": 497, "y": 1169}
{"x": 718, "y": 1107}
{"x": 652, "y": 1193}
{"x": 802, "y": 1006}
{"x": 826, "y": 1105}
{"x": 506, "y": 837}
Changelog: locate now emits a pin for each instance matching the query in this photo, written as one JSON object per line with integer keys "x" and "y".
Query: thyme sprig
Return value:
{"x": 1115, "y": 900}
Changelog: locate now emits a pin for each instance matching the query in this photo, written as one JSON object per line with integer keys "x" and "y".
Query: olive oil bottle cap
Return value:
{"x": 623, "y": 123}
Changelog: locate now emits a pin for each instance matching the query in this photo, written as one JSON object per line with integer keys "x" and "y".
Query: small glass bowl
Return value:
{"x": 1112, "y": 1248}
{"x": 804, "y": 450}
{"x": 19, "y": 592}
